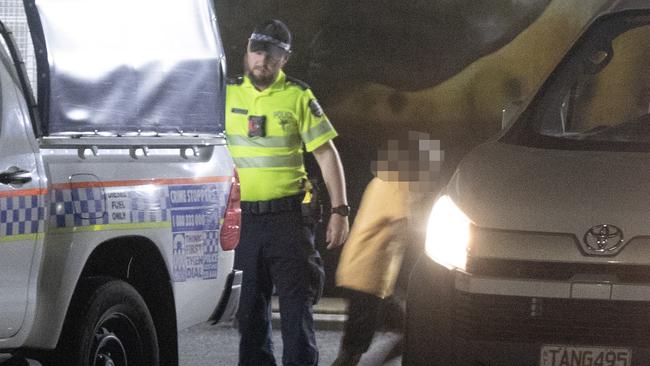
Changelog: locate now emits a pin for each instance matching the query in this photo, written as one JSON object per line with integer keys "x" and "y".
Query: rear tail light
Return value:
{"x": 231, "y": 227}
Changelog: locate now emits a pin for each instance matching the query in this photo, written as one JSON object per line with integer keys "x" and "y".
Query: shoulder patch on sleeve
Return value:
{"x": 235, "y": 81}
{"x": 315, "y": 108}
{"x": 301, "y": 84}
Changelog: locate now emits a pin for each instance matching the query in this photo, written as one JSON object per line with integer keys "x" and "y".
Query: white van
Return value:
{"x": 538, "y": 248}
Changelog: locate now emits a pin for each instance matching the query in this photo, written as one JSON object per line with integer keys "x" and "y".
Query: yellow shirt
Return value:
{"x": 372, "y": 255}
{"x": 269, "y": 159}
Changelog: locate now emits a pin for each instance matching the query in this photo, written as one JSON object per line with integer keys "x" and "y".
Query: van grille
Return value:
{"x": 488, "y": 267}
{"x": 545, "y": 320}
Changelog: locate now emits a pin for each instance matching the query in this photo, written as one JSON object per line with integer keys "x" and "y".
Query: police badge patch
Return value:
{"x": 284, "y": 119}
{"x": 316, "y": 109}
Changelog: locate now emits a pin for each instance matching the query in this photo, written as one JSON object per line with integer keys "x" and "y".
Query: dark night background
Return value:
{"x": 379, "y": 67}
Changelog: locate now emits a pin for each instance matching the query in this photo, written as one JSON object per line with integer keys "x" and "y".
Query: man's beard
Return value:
{"x": 263, "y": 81}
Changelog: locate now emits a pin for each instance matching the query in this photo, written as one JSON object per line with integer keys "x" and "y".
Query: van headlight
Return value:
{"x": 448, "y": 234}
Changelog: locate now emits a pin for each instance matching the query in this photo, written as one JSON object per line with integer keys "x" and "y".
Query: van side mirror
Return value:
{"x": 509, "y": 112}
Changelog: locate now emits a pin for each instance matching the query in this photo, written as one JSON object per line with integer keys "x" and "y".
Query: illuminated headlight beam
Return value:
{"x": 448, "y": 234}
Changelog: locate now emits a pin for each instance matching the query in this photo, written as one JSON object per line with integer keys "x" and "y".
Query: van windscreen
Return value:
{"x": 599, "y": 95}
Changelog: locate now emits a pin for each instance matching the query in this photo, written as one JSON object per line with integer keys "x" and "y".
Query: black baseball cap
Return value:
{"x": 271, "y": 36}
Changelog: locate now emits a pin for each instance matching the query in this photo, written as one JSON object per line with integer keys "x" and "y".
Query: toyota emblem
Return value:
{"x": 603, "y": 239}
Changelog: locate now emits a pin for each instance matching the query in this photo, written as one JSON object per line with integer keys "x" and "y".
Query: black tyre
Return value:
{"x": 429, "y": 331}
{"x": 108, "y": 324}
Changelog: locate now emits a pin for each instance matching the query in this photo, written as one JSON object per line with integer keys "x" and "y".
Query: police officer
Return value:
{"x": 271, "y": 119}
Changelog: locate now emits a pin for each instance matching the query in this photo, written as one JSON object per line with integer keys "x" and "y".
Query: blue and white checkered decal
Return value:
{"x": 211, "y": 244}
{"x": 152, "y": 206}
{"x": 88, "y": 206}
{"x": 210, "y": 254}
{"x": 21, "y": 215}
{"x": 77, "y": 207}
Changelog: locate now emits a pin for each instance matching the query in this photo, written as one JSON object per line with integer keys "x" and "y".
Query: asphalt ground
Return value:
{"x": 206, "y": 345}
{"x": 217, "y": 345}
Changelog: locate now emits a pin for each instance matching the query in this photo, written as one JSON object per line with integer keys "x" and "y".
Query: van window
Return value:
{"x": 599, "y": 96}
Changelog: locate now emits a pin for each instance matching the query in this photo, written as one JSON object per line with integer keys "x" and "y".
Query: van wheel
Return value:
{"x": 108, "y": 324}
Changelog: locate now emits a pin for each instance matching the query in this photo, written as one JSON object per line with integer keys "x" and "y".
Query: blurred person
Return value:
{"x": 385, "y": 240}
{"x": 271, "y": 119}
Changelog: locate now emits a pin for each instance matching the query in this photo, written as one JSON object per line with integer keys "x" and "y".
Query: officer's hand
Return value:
{"x": 337, "y": 231}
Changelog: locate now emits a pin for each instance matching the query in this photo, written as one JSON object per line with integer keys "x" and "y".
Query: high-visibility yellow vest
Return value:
{"x": 269, "y": 154}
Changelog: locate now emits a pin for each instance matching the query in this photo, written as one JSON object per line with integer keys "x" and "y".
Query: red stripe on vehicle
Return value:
{"x": 141, "y": 182}
{"x": 23, "y": 192}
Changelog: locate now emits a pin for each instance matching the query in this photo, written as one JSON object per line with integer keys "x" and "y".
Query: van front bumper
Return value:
{"x": 456, "y": 318}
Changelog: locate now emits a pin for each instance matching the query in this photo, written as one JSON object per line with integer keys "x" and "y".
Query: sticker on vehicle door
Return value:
{"x": 192, "y": 208}
{"x": 195, "y": 217}
{"x": 565, "y": 355}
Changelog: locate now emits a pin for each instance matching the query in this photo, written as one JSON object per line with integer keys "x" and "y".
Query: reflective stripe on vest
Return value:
{"x": 267, "y": 141}
{"x": 288, "y": 161}
{"x": 320, "y": 129}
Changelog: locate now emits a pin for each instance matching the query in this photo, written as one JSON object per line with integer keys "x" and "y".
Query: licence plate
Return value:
{"x": 561, "y": 355}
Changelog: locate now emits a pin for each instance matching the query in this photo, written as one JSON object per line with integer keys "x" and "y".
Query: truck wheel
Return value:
{"x": 108, "y": 324}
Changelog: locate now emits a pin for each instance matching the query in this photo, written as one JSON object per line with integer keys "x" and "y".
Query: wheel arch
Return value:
{"x": 138, "y": 261}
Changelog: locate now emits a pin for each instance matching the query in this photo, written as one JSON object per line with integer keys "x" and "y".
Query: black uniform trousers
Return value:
{"x": 277, "y": 250}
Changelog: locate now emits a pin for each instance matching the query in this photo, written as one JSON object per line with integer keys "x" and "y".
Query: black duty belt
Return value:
{"x": 284, "y": 204}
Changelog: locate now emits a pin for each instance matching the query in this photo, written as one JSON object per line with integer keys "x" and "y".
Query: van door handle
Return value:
{"x": 15, "y": 175}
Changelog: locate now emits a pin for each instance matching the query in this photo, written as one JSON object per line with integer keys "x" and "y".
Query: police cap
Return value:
{"x": 271, "y": 36}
